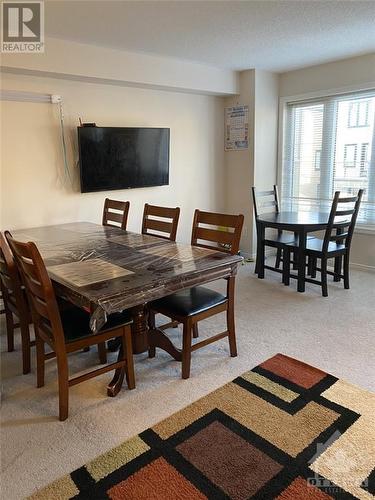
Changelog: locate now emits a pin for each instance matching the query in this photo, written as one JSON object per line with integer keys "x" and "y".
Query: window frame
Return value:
{"x": 363, "y": 158}
{"x": 346, "y": 146}
{"x": 357, "y": 114}
{"x": 319, "y": 94}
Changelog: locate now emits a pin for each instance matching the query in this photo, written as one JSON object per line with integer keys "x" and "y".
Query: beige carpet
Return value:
{"x": 336, "y": 334}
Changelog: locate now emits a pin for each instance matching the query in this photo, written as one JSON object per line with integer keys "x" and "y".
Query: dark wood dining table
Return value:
{"x": 106, "y": 270}
{"x": 299, "y": 222}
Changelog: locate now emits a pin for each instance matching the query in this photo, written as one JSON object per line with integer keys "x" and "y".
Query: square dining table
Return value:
{"x": 106, "y": 270}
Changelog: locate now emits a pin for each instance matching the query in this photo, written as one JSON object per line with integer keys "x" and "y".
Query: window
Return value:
{"x": 350, "y": 155}
{"x": 323, "y": 153}
{"x": 358, "y": 113}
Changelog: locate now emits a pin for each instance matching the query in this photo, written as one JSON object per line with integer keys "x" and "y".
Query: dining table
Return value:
{"x": 106, "y": 270}
{"x": 299, "y": 222}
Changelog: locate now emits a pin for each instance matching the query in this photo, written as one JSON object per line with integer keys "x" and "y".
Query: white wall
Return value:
{"x": 125, "y": 89}
{"x": 256, "y": 166}
{"x": 357, "y": 72}
{"x": 266, "y": 120}
{"x": 265, "y": 140}
{"x": 34, "y": 191}
{"x": 239, "y": 165}
{"x": 79, "y": 61}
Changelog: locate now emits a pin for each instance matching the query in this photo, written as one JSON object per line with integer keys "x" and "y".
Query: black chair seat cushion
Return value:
{"x": 316, "y": 245}
{"x": 188, "y": 302}
{"x": 76, "y": 323}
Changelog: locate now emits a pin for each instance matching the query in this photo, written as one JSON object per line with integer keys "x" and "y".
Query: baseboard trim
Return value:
{"x": 356, "y": 265}
{"x": 252, "y": 256}
{"x": 271, "y": 251}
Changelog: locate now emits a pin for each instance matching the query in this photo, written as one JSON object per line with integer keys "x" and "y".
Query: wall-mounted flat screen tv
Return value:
{"x": 123, "y": 157}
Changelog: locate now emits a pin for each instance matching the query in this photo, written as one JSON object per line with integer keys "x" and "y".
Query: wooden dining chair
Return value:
{"x": 115, "y": 213}
{"x": 195, "y": 304}
{"x": 336, "y": 244}
{"x": 268, "y": 201}
{"x": 15, "y": 304}
{"x": 154, "y": 224}
{"x": 65, "y": 331}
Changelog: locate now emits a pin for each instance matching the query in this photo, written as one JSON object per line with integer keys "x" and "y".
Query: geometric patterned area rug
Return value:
{"x": 283, "y": 430}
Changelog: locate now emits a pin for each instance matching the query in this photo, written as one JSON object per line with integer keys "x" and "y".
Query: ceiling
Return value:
{"x": 271, "y": 35}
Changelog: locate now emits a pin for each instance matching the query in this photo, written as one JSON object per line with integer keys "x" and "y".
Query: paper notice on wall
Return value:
{"x": 236, "y": 128}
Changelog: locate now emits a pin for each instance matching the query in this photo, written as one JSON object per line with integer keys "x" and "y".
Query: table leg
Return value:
{"x": 301, "y": 261}
{"x": 139, "y": 330}
{"x": 260, "y": 250}
{"x": 144, "y": 337}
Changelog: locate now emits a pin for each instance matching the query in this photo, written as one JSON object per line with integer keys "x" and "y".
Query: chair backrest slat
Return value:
{"x": 222, "y": 237}
{"x": 41, "y": 308}
{"x": 36, "y": 288}
{"x": 344, "y": 212}
{"x": 115, "y": 213}
{"x": 339, "y": 237}
{"x": 351, "y": 199}
{"x": 345, "y": 237}
{"x": 8, "y": 269}
{"x": 29, "y": 268}
{"x": 115, "y": 217}
{"x": 215, "y": 219}
{"x": 261, "y": 194}
{"x": 11, "y": 286}
{"x": 42, "y": 299}
{"x": 261, "y": 199}
{"x": 159, "y": 225}
{"x": 153, "y": 225}
{"x": 266, "y": 204}
{"x": 341, "y": 225}
{"x": 225, "y": 236}
{"x": 5, "y": 276}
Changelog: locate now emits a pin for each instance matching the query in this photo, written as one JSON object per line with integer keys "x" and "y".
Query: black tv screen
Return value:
{"x": 120, "y": 158}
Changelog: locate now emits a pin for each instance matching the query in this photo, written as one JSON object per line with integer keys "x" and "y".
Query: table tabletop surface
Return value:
{"x": 300, "y": 218}
{"x": 303, "y": 219}
{"x": 104, "y": 266}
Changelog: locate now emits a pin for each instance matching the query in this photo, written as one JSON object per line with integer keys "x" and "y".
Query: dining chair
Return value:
{"x": 270, "y": 200}
{"x": 154, "y": 224}
{"x": 336, "y": 244}
{"x": 15, "y": 304}
{"x": 195, "y": 304}
{"x": 115, "y": 213}
{"x": 68, "y": 330}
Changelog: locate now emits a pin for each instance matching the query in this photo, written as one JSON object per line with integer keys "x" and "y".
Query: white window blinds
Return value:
{"x": 329, "y": 145}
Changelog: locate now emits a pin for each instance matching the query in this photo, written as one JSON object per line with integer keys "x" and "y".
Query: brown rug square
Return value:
{"x": 283, "y": 430}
